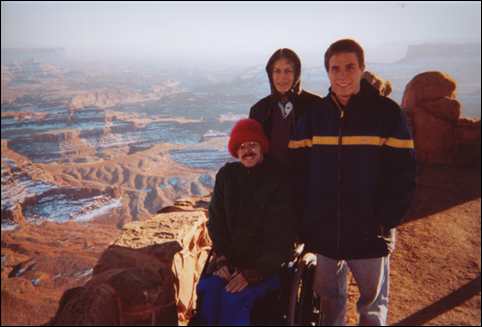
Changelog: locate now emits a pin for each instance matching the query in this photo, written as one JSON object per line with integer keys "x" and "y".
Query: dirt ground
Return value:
{"x": 435, "y": 269}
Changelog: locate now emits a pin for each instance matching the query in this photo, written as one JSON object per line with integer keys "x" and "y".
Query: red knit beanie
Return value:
{"x": 247, "y": 130}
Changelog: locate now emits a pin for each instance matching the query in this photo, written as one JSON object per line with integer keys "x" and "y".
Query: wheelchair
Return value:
{"x": 294, "y": 303}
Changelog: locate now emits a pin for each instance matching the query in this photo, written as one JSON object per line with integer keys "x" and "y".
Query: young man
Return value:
{"x": 360, "y": 177}
{"x": 251, "y": 224}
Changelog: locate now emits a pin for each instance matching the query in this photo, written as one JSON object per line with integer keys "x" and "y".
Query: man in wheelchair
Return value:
{"x": 252, "y": 227}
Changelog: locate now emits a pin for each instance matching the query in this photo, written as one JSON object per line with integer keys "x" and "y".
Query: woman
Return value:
{"x": 287, "y": 103}
{"x": 279, "y": 113}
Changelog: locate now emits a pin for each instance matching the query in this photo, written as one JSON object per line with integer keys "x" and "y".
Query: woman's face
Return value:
{"x": 283, "y": 75}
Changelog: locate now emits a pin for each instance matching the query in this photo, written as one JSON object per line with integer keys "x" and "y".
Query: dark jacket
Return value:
{"x": 262, "y": 111}
{"x": 251, "y": 218}
{"x": 360, "y": 174}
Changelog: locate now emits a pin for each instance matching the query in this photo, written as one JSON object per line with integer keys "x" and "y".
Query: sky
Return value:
{"x": 237, "y": 31}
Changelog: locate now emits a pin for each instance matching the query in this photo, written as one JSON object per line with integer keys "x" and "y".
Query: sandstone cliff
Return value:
{"x": 112, "y": 97}
{"x": 148, "y": 275}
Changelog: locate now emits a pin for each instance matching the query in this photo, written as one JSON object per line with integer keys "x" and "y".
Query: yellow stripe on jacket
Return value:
{"x": 352, "y": 140}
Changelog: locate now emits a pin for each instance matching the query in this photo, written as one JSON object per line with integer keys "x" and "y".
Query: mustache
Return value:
{"x": 247, "y": 154}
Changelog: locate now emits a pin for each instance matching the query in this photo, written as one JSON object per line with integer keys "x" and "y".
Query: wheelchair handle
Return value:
{"x": 306, "y": 262}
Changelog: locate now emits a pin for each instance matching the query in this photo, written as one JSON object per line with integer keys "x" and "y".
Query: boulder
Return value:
{"x": 440, "y": 135}
{"x": 148, "y": 276}
{"x": 428, "y": 86}
{"x": 118, "y": 296}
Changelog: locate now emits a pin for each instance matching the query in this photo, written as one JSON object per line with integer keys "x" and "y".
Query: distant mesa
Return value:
{"x": 30, "y": 72}
{"x": 442, "y": 51}
{"x": 21, "y": 115}
{"x": 109, "y": 98}
{"x": 103, "y": 99}
{"x": 23, "y": 55}
{"x": 159, "y": 88}
{"x": 212, "y": 134}
{"x": 231, "y": 117}
{"x": 139, "y": 120}
{"x": 55, "y": 145}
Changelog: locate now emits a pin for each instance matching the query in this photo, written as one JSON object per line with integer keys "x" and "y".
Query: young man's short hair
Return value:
{"x": 343, "y": 46}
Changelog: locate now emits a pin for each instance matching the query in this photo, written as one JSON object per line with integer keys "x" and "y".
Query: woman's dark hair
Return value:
{"x": 293, "y": 59}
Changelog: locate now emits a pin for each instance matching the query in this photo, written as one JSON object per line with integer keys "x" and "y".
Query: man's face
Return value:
{"x": 283, "y": 75}
{"x": 345, "y": 75}
{"x": 250, "y": 154}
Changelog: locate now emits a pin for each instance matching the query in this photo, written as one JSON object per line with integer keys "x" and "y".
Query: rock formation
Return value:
{"x": 108, "y": 98}
{"x": 147, "y": 276}
{"x": 13, "y": 216}
{"x": 440, "y": 135}
{"x": 25, "y": 115}
{"x": 467, "y": 135}
{"x": 104, "y": 99}
{"x": 441, "y": 51}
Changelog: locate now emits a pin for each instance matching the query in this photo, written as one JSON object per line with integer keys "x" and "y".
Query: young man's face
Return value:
{"x": 250, "y": 154}
{"x": 345, "y": 75}
{"x": 283, "y": 75}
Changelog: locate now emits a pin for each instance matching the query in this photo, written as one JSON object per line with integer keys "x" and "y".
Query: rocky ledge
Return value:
{"x": 148, "y": 275}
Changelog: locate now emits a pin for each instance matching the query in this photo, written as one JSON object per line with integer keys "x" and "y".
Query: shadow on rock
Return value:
{"x": 440, "y": 188}
{"x": 129, "y": 286}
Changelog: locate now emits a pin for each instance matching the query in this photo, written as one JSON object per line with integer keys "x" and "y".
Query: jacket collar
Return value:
{"x": 366, "y": 91}
{"x": 273, "y": 103}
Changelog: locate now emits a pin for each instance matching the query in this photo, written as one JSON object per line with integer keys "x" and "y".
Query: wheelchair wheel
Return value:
{"x": 304, "y": 304}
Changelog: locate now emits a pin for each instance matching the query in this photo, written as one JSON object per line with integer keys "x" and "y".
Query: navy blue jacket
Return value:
{"x": 359, "y": 176}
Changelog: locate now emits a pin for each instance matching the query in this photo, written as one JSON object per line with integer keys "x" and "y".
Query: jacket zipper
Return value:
{"x": 339, "y": 178}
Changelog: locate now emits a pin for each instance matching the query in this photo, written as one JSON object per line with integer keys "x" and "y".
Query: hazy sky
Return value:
{"x": 234, "y": 31}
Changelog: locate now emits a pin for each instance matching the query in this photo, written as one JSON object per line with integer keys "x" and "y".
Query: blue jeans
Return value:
{"x": 218, "y": 307}
{"x": 372, "y": 278}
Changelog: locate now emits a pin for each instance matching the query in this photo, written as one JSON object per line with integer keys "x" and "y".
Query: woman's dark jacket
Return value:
{"x": 262, "y": 111}
{"x": 251, "y": 216}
